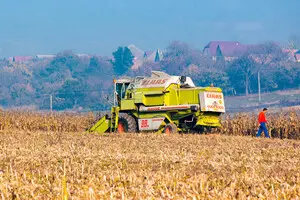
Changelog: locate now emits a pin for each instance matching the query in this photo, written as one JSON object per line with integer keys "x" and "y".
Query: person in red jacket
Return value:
{"x": 262, "y": 123}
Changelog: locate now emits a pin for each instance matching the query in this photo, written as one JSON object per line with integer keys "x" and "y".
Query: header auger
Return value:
{"x": 162, "y": 103}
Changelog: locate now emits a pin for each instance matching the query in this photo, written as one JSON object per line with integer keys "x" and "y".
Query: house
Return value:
{"x": 228, "y": 50}
{"x": 22, "y": 59}
{"x": 141, "y": 56}
{"x": 154, "y": 56}
{"x": 297, "y": 56}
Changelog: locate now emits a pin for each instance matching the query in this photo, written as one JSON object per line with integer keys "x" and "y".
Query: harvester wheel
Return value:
{"x": 127, "y": 124}
{"x": 170, "y": 128}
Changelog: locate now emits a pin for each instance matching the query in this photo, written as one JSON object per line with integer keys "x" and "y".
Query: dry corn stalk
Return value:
{"x": 281, "y": 125}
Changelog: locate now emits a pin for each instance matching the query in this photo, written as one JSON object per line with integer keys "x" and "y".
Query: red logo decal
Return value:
{"x": 144, "y": 123}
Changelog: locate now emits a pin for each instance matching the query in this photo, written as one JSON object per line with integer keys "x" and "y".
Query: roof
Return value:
{"x": 148, "y": 53}
{"x": 149, "y": 56}
{"x": 136, "y": 52}
{"x": 153, "y": 55}
{"x": 228, "y": 48}
{"x": 298, "y": 52}
{"x": 22, "y": 58}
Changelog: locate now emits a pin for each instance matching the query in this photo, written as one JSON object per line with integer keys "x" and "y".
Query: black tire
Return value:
{"x": 170, "y": 129}
{"x": 128, "y": 122}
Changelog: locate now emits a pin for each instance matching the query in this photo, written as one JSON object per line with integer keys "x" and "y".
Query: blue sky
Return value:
{"x": 99, "y": 26}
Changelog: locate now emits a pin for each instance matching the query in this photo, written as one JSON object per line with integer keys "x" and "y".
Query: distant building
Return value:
{"x": 141, "y": 56}
{"x": 154, "y": 56}
{"x": 22, "y": 59}
{"x": 227, "y": 50}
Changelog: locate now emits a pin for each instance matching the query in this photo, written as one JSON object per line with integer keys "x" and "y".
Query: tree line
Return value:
{"x": 86, "y": 83}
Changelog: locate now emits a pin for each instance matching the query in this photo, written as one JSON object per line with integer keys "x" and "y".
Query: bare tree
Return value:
{"x": 258, "y": 58}
{"x": 247, "y": 67}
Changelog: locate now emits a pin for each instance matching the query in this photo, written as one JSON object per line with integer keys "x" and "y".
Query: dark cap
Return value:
{"x": 265, "y": 109}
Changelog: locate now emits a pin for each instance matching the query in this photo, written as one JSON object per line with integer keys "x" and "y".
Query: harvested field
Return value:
{"x": 52, "y": 165}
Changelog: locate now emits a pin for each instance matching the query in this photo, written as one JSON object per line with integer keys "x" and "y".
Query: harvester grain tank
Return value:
{"x": 162, "y": 103}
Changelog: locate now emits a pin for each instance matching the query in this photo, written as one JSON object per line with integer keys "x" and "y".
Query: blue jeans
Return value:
{"x": 263, "y": 127}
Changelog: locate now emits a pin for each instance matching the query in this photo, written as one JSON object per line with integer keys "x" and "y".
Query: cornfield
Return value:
{"x": 35, "y": 121}
{"x": 46, "y": 156}
{"x": 280, "y": 125}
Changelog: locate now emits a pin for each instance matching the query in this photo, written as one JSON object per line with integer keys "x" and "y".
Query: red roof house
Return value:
{"x": 227, "y": 49}
{"x": 22, "y": 59}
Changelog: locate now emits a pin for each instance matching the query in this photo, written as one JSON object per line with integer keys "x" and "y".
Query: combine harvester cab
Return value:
{"x": 162, "y": 103}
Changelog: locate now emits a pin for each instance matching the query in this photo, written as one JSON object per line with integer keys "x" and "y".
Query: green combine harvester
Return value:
{"x": 162, "y": 103}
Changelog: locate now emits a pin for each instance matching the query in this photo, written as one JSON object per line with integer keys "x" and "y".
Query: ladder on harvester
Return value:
{"x": 114, "y": 119}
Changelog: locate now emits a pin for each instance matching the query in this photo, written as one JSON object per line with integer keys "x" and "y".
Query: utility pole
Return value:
{"x": 51, "y": 103}
{"x": 258, "y": 78}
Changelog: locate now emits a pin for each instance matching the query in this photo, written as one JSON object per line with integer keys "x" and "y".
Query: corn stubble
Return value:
{"x": 57, "y": 162}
